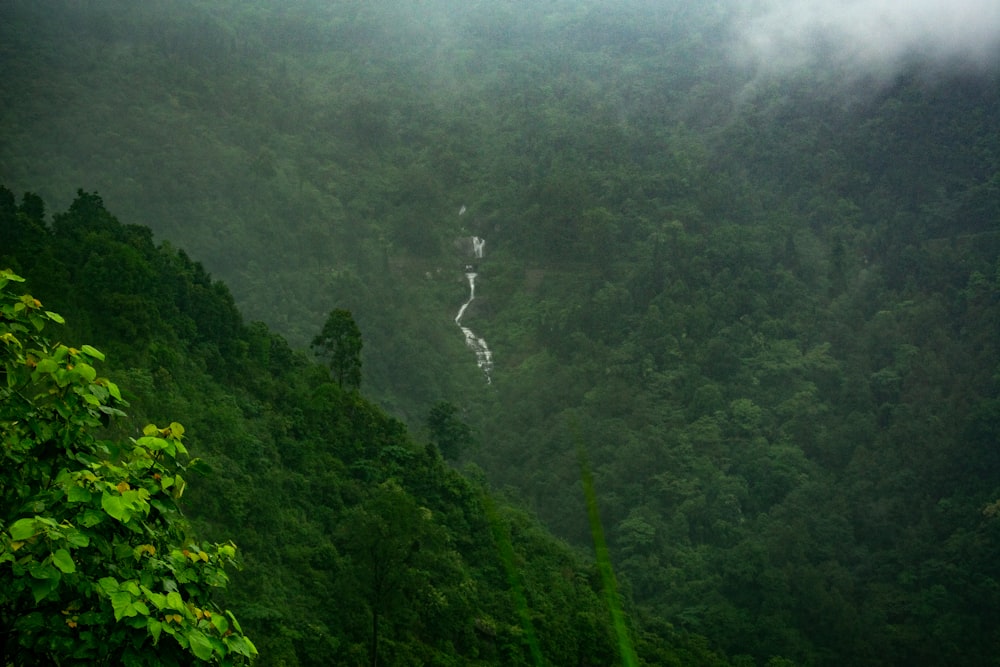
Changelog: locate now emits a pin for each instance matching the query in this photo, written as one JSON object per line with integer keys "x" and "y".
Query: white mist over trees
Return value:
{"x": 877, "y": 36}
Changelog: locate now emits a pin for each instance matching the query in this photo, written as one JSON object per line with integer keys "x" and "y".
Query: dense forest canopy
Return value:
{"x": 745, "y": 256}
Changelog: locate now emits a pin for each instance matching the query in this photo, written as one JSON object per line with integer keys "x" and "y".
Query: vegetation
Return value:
{"x": 765, "y": 310}
{"x": 340, "y": 344}
{"x": 97, "y": 566}
{"x": 355, "y": 511}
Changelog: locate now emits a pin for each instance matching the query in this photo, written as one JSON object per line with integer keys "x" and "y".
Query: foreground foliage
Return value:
{"x": 96, "y": 566}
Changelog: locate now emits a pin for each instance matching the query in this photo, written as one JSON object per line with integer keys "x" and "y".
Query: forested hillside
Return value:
{"x": 357, "y": 540}
{"x": 763, "y": 297}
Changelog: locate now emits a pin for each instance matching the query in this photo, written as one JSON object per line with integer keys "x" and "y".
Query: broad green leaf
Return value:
{"x": 40, "y": 588}
{"x": 236, "y": 624}
{"x": 77, "y": 539}
{"x": 47, "y": 366}
{"x": 220, "y": 623}
{"x": 78, "y": 494}
{"x": 86, "y": 371}
{"x": 22, "y": 529}
{"x": 55, "y": 317}
{"x": 8, "y": 275}
{"x": 121, "y": 601}
{"x": 113, "y": 412}
{"x": 91, "y": 518}
{"x": 242, "y": 645}
{"x": 200, "y": 645}
{"x": 174, "y": 601}
{"x": 108, "y": 584}
{"x": 64, "y": 561}
{"x": 113, "y": 388}
{"x": 99, "y": 391}
{"x": 179, "y": 484}
{"x": 155, "y": 627}
{"x": 43, "y": 570}
{"x": 159, "y": 600}
{"x": 93, "y": 352}
{"x": 114, "y": 506}
{"x": 152, "y": 444}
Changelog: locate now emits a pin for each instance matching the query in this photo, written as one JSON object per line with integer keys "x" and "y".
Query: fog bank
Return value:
{"x": 871, "y": 37}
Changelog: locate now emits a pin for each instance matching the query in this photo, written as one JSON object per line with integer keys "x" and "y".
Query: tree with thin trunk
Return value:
{"x": 339, "y": 343}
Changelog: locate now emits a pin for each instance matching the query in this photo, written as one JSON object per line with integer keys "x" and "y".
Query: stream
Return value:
{"x": 484, "y": 358}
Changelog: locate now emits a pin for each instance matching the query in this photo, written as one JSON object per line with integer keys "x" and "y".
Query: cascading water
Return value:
{"x": 484, "y": 358}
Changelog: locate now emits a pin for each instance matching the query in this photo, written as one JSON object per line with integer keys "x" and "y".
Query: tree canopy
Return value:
{"x": 339, "y": 343}
{"x": 764, "y": 301}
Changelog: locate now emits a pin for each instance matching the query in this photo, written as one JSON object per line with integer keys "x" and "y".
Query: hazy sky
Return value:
{"x": 874, "y": 36}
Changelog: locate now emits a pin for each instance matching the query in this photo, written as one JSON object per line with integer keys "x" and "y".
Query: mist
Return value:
{"x": 869, "y": 38}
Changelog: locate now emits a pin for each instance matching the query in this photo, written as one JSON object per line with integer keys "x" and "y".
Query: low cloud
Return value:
{"x": 869, "y": 37}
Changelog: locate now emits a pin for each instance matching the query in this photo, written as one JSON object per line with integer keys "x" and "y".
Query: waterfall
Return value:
{"x": 484, "y": 358}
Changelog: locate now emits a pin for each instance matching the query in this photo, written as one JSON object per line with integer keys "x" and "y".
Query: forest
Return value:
{"x": 740, "y": 293}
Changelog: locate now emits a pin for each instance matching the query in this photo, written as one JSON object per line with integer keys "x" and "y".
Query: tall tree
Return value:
{"x": 390, "y": 543}
{"x": 448, "y": 432}
{"x": 340, "y": 345}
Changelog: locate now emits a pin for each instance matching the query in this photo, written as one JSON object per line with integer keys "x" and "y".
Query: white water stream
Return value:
{"x": 484, "y": 358}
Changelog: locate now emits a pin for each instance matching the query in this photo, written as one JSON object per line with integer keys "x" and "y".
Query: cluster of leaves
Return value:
{"x": 95, "y": 563}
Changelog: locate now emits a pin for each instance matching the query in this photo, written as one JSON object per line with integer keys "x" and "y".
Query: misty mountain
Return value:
{"x": 745, "y": 256}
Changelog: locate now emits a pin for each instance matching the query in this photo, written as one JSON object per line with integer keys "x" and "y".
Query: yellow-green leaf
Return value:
{"x": 22, "y": 529}
{"x": 154, "y": 626}
{"x": 113, "y": 389}
{"x": 114, "y": 506}
{"x": 47, "y": 366}
{"x": 64, "y": 561}
{"x": 220, "y": 623}
{"x": 86, "y": 371}
{"x": 174, "y": 601}
{"x": 93, "y": 352}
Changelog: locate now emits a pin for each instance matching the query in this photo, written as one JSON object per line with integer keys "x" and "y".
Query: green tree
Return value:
{"x": 448, "y": 432}
{"x": 391, "y": 545}
{"x": 95, "y": 563}
{"x": 340, "y": 345}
